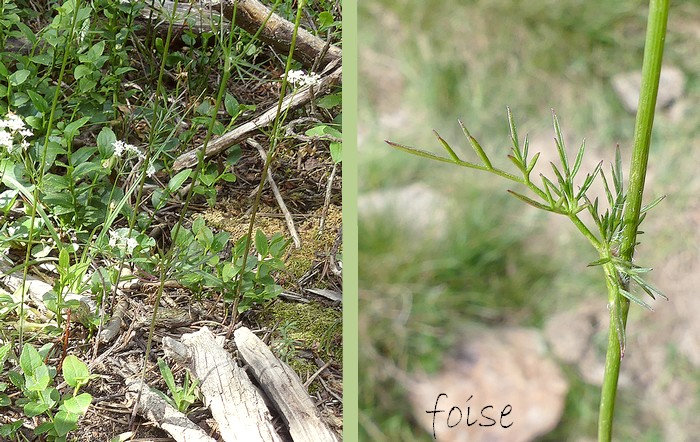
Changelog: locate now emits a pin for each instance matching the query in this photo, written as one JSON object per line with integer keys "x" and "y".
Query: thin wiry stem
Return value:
{"x": 268, "y": 160}
{"x": 40, "y": 175}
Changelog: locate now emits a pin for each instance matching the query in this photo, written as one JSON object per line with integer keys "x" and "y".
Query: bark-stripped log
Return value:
{"x": 235, "y": 403}
{"x": 284, "y": 388}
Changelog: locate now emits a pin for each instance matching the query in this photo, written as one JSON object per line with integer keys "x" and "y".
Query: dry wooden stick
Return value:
{"x": 278, "y": 32}
{"x": 278, "y": 196}
{"x": 240, "y": 133}
{"x": 327, "y": 200}
{"x": 284, "y": 388}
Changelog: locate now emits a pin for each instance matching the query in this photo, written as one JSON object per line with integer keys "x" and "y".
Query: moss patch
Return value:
{"x": 311, "y": 326}
{"x": 312, "y": 244}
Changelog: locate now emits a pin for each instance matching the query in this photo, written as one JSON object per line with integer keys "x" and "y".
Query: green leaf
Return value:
{"x": 531, "y": 201}
{"x": 325, "y": 19}
{"x": 4, "y": 353}
{"x": 336, "y": 152}
{"x": 75, "y": 372}
{"x": 167, "y": 376}
{"x": 231, "y": 105}
{"x": 19, "y": 77}
{"x": 579, "y": 159}
{"x": 648, "y": 288}
{"x": 177, "y": 181}
{"x": 105, "y": 139}
{"x": 39, "y": 379}
{"x": 78, "y": 404}
{"x": 81, "y": 71}
{"x": 38, "y": 101}
{"x": 30, "y": 359}
{"x": 514, "y": 135}
{"x": 65, "y": 422}
{"x": 72, "y": 129}
{"x": 64, "y": 259}
{"x": 32, "y": 409}
{"x": 559, "y": 141}
{"x": 330, "y": 101}
{"x": 476, "y": 146}
{"x": 652, "y": 204}
{"x": 261, "y": 244}
{"x": 635, "y": 299}
{"x": 599, "y": 262}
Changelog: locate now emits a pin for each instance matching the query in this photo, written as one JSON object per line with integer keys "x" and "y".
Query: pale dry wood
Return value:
{"x": 36, "y": 289}
{"x": 240, "y": 133}
{"x": 156, "y": 409}
{"x": 278, "y": 196}
{"x": 284, "y": 388}
{"x": 112, "y": 327}
{"x": 235, "y": 403}
{"x": 250, "y": 15}
{"x": 278, "y": 32}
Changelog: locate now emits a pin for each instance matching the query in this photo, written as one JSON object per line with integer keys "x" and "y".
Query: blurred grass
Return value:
{"x": 426, "y": 63}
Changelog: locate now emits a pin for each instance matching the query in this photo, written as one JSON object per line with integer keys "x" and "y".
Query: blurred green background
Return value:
{"x": 477, "y": 255}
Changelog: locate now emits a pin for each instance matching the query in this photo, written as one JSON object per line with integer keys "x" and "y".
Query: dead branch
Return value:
{"x": 278, "y": 32}
{"x": 240, "y": 133}
{"x": 284, "y": 388}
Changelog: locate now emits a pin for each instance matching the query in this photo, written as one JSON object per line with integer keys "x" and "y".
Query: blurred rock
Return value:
{"x": 416, "y": 208}
{"x": 628, "y": 84}
{"x": 496, "y": 367}
{"x": 579, "y": 337}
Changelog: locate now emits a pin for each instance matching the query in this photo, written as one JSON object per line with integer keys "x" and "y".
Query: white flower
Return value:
{"x": 121, "y": 147}
{"x": 113, "y": 237}
{"x": 151, "y": 170}
{"x": 118, "y": 239}
{"x": 26, "y": 132}
{"x": 13, "y": 122}
{"x": 24, "y": 144}
{"x": 300, "y": 79}
{"x": 131, "y": 244}
{"x": 5, "y": 140}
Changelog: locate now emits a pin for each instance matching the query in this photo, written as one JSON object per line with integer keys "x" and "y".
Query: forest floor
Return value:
{"x": 99, "y": 102}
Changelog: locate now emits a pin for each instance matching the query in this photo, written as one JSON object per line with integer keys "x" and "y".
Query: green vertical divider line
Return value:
{"x": 350, "y": 265}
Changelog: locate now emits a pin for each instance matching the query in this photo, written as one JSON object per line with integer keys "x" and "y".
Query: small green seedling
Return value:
{"x": 182, "y": 397}
{"x": 40, "y": 399}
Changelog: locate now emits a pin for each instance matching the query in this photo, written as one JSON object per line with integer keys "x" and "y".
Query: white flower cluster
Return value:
{"x": 12, "y": 125}
{"x": 300, "y": 79}
{"x": 120, "y": 148}
{"x": 119, "y": 240}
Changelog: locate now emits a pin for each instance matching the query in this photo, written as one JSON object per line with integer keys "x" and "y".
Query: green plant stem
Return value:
{"x": 266, "y": 168}
{"x": 651, "y": 70}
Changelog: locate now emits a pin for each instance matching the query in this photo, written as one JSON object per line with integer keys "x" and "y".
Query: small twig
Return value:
{"x": 278, "y": 196}
{"x": 327, "y": 201}
{"x": 318, "y": 372}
